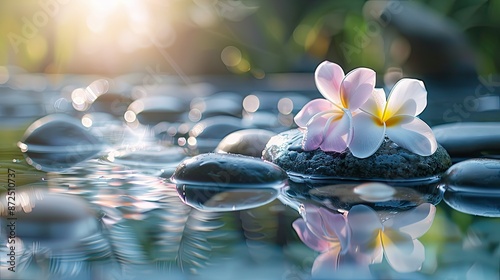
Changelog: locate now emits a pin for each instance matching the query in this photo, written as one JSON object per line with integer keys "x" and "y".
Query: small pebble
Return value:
{"x": 250, "y": 142}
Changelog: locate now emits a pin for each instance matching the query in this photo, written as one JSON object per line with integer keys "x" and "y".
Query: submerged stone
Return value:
{"x": 468, "y": 140}
{"x": 250, "y": 142}
{"x": 56, "y": 142}
{"x": 227, "y": 170}
{"x": 473, "y": 187}
{"x": 390, "y": 161}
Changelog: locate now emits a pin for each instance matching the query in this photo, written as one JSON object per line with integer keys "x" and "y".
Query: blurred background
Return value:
{"x": 248, "y": 37}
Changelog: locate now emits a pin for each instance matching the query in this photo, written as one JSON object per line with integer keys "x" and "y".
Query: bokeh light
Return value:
{"x": 251, "y": 103}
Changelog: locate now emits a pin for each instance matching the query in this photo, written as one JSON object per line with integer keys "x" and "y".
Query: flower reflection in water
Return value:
{"x": 362, "y": 236}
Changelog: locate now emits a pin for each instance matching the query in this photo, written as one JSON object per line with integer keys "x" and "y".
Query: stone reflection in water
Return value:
{"x": 227, "y": 182}
{"x": 153, "y": 234}
{"x": 388, "y": 195}
{"x": 375, "y": 192}
{"x": 351, "y": 241}
{"x": 473, "y": 187}
{"x": 57, "y": 142}
{"x": 63, "y": 229}
{"x": 213, "y": 198}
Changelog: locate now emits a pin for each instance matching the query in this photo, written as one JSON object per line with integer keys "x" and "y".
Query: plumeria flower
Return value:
{"x": 394, "y": 238}
{"x": 395, "y": 118}
{"x": 328, "y": 122}
{"x": 360, "y": 237}
{"x": 324, "y": 232}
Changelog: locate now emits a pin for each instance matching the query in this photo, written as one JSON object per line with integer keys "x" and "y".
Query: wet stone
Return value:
{"x": 473, "y": 187}
{"x": 227, "y": 170}
{"x": 250, "y": 142}
{"x": 468, "y": 140}
{"x": 57, "y": 142}
{"x": 209, "y": 132}
{"x": 389, "y": 162}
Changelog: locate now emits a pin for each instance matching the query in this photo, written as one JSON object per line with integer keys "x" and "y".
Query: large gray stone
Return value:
{"x": 389, "y": 162}
{"x": 469, "y": 139}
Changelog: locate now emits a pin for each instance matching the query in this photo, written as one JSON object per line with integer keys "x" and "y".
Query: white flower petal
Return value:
{"x": 415, "y": 222}
{"x": 411, "y": 133}
{"x": 338, "y": 133}
{"x": 367, "y": 135}
{"x": 357, "y": 87}
{"x": 407, "y": 97}
{"x": 375, "y": 104}
{"x": 313, "y": 137}
{"x": 312, "y": 108}
{"x": 403, "y": 253}
{"x": 328, "y": 77}
{"x": 365, "y": 226}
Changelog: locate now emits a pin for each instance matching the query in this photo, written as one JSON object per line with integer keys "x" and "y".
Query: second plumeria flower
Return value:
{"x": 396, "y": 118}
{"x": 328, "y": 122}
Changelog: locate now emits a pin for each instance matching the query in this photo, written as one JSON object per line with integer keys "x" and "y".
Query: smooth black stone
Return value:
{"x": 57, "y": 142}
{"x": 249, "y": 142}
{"x": 469, "y": 139}
{"x": 227, "y": 170}
{"x": 389, "y": 162}
{"x": 474, "y": 176}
